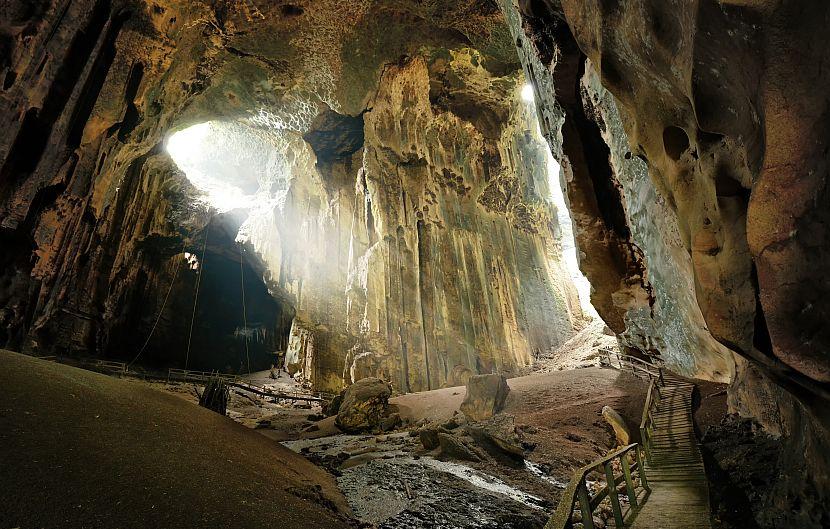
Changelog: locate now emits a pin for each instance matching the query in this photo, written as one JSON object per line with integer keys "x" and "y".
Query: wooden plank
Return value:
{"x": 612, "y": 494}
{"x": 585, "y": 505}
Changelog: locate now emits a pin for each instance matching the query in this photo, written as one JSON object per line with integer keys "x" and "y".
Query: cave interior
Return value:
{"x": 388, "y": 201}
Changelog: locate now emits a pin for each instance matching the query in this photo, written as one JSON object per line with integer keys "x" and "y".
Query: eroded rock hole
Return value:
{"x": 291, "y": 10}
{"x": 675, "y": 142}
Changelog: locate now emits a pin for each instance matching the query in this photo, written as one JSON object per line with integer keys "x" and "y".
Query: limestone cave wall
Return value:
{"x": 723, "y": 104}
{"x": 412, "y": 237}
{"x": 435, "y": 251}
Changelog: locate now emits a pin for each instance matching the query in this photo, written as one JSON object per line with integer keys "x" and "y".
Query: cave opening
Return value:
{"x": 240, "y": 319}
{"x": 558, "y": 197}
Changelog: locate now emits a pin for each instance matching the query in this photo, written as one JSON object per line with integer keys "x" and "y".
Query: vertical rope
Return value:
{"x": 196, "y": 295}
{"x": 244, "y": 312}
{"x": 163, "y": 305}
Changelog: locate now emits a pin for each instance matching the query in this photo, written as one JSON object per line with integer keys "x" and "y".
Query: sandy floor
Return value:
{"x": 79, "y": 449}
{"x": 560, "y": 412}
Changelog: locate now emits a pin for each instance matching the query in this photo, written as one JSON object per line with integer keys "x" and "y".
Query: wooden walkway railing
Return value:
{"x": 647, "y": 422}
{"x": 104, "y": 365}
{"x": 580, "y": 505}
{"x": 636, "y": 366}
{"x": 667, "y": 462}
{"x": 198, "y": 376}
{"x": 190, "y": 375}
{"x": 240, "y": 382}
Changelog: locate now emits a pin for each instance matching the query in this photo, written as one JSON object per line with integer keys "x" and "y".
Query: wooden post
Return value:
{"x": 585, "y": 505}
{"x": 629, "y": 483}
{"x": 612, "y": 495}
{"x": 642, "y": 471}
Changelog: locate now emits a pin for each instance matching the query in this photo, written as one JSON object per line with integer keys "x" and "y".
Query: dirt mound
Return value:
{"x": 79, "y": 449}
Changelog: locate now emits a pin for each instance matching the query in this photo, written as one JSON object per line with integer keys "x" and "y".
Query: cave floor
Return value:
{"x": 390, "y": 480}
{"x": 195, "y": 461}
{"x": 81, "y": 449}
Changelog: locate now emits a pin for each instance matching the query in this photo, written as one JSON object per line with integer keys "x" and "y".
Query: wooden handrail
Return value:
{"x": 646, "y": 424}
{"x": 578, "y": 495}
{"x": 238, "y": 382}
{"x": 647, "y": 405}
{"x": 636, "y": 365}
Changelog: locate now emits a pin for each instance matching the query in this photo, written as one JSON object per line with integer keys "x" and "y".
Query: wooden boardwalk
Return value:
{"x": 679, "y": 497}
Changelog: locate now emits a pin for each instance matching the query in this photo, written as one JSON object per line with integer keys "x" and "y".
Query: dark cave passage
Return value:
{"x": 219, "y": 335}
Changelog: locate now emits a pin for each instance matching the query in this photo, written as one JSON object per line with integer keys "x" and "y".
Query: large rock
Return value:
{"x": 617, "y": 422}
{"x": 454, "y": 447}
{"x": 499, "y": 438}
{"x": 364, "y": 405}
{"x": 429, "y": 437}
{"x": 486, "y": 395}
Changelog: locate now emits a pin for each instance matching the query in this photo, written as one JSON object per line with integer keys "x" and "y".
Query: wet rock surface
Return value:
{"x": 414, "y": 494}
{"x": 389, "y": 481}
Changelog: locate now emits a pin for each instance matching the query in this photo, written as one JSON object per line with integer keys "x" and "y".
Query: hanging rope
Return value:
{"x": 163, "y": 305}
{"x": 244, "y": 312}
{"x": 196, "y": 295}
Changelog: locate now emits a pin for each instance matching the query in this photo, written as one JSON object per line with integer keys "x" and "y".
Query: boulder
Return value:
{"x": 390, "y": 422}
{"x": 500, "y": 439}
{"x": 429, "y": 438}
{"x": 216, "y": 396}
{"x": 453, "y": 447}
{"x": 485, "y": 397}
{"x": 364, "y": 405}
{"x": 618, "y": 424}
{"x": 331, "y": 408}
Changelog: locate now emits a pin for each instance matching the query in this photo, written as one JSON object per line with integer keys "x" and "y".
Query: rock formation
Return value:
{"x": 412, "y": 235}
{"x": 363, "y": 405}
{"x": 617, "y": 423}
{"x": 721, "y": 103}
{"x": 486, "y": 395}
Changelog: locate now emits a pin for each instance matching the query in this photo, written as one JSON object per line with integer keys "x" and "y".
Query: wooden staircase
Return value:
{"x": 663, "y": 484}
{"x": 674, "y": 465}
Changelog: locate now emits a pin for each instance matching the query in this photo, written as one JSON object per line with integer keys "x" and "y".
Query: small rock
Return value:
{"x": 570, "y": 436}
{"x": 333, "y": 407}
{"x": 429, "y": 438}
{"x": 498, "y": 437}
{"x": 390, "y": 422}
